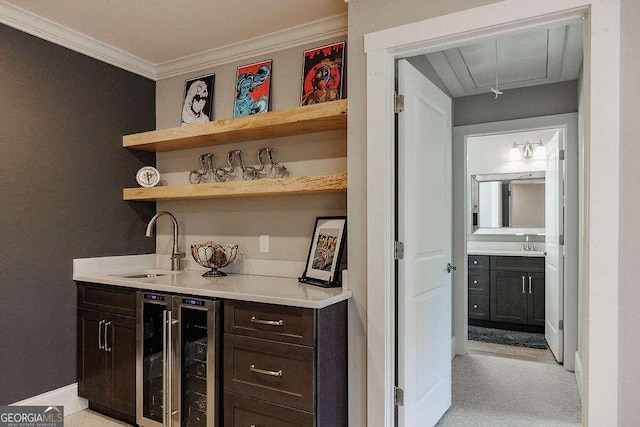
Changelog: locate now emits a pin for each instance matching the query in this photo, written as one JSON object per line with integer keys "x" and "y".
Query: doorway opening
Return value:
{"x": 601, "y": 112}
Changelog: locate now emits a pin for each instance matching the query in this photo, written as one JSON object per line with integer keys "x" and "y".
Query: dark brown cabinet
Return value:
{"x": 479, "y": 287}
{"x": 506, "y": 289}
{"x": 284, "y": 366}
{"x": 517, "y": 290}
{"x": 107, "y": 349}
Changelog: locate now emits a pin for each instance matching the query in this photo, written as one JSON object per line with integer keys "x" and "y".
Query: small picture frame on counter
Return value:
{"x": 326, "y": 251}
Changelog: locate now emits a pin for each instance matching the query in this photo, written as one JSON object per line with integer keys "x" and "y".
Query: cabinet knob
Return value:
{"x": 475, "y": 261}
{"x": 475, "y": 282}
{"x": 475, "y": 305}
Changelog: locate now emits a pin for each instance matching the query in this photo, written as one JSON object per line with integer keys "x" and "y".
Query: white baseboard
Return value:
{"x": 578, "y": 372}
{"x": 66, "y": 396}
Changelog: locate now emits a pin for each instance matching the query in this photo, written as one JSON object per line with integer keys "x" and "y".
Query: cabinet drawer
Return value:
{"x": 517, "y": 263}
{"x": 111, "y": 299}
{"x": 273, "y": 322}
{"x": 243, "y": 411}
{"x": 478, "y": 261}
{"x": 269, "y": 370}
{"x": 479, "y": 307}
{"x": 479, "y": 282}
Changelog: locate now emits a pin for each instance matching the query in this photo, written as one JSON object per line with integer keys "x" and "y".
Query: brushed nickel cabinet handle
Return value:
{"x": 106, "y": 339}
{"x": 530, "y": 292}
{"x": 267, "y": 322}
{"x": 100, "y": 345}
{"x": 523, "y": 291}
{"x": 253, "y": 368}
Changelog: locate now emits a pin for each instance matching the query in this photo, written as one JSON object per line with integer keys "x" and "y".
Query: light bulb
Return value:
{"x": 541, "y": 152}
{"x": 514, "y": 153}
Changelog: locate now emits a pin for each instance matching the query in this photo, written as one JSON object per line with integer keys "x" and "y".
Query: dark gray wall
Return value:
{"x": 629, "y": 291}
{"x": 533, "y": 101}
{"x": 62, "y": 170}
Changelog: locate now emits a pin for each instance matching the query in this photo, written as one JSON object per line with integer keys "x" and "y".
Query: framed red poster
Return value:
{"x": 253, "y": 86}
{"x": 323, "y": 74}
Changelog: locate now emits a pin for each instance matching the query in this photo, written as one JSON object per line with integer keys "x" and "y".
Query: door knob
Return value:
{"x": 451, "y": 268}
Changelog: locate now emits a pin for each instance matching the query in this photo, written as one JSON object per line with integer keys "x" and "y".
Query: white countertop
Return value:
{"x": 266, "y": 289}
{"x": 498, "y": 252}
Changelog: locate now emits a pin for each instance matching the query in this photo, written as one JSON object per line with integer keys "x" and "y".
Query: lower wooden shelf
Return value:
{"x": 262, "y": 187}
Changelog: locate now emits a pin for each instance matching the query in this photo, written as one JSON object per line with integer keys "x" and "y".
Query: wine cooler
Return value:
{"x": 177, "y": 361}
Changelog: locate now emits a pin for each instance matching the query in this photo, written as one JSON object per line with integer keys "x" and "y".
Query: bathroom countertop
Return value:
{"x": 499, "y": 252}
{"x": 265, "y": 289}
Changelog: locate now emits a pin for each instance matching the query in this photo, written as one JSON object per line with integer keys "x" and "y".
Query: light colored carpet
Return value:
{"x": 496, "y": 391}
{"x": 88, "y": 418}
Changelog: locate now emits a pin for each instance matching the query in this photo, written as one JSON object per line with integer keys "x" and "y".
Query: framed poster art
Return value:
{"x": 323, "y": 74}
{"x": 325, "y": 252}
{"x": 253, "y": 89}
{"x": 198, "y": 100}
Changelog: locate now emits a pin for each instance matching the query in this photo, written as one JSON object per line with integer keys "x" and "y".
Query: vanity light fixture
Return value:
{"x": 514, "y": 153}
{"x": 527, "y": 152}
{"x": 540, "y": 152}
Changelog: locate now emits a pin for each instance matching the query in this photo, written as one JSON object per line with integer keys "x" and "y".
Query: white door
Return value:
{"x": 554, "y": 265}
{"x": 424, "y": 226}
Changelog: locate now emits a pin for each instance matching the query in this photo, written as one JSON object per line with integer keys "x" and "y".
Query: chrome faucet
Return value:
{"x": 175, "y": 254}
{"x": 526, "y": 246}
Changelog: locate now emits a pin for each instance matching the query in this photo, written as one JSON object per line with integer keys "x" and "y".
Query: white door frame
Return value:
{"x": 601, "y": 204}
{"x": 568, "y": 122}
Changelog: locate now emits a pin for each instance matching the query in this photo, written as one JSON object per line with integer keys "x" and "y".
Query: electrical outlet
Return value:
{"x": 264, "y": 243}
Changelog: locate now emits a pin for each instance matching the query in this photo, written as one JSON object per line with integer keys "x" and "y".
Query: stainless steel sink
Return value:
{"x": 140, "y": 276}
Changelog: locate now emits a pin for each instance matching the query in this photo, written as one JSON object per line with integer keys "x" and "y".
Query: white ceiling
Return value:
{"x": 532, "y": 58}
{"x": 152, "y": 34}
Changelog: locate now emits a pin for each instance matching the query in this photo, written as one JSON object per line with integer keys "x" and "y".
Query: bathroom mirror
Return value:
{"x": 510, "y": 200}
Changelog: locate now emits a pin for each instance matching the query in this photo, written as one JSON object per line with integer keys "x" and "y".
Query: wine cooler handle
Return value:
{"x": 169, "y": 367}
{"x": 165, "y": 347}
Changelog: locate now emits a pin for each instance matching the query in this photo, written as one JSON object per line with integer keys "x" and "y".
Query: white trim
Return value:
{"x": 311, "y": 32}
{"x": 602, "y": 128}
{"x": 45, "y": 29}
{"x": 578, "y": 372}
{"x": 453, "y": 347}
{"x": 28, "y": 22}
{"x": 66, "y": 396}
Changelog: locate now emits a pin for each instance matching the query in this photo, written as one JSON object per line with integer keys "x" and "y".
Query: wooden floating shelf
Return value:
{"x": 257, "y": 188}
{"x": 294, "y": 121}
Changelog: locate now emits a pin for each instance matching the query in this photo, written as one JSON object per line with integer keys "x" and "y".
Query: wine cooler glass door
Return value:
{"x": 151, "y": 356}
{"x": 196, "y": 363}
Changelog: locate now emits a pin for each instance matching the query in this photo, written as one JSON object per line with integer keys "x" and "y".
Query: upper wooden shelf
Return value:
{"x": 294, "y": 121}
{"x": 260, "y": 187}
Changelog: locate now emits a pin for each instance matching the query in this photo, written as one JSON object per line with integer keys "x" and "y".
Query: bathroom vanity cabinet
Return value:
{"x": 506, "y": 289}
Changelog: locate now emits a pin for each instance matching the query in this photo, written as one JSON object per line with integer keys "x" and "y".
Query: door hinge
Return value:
{"x": 561, "y": 325}
{"x": 561, "y": 240}
{"x": 398, "y": 250}
{"x": 561, "y": 154}
{"x": 398, "y": 396}
{"x": 398, "y": 104}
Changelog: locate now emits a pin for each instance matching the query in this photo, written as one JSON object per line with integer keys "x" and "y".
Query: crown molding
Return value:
{"x": 45, "y": 29}
{"x": 333, "y": 26}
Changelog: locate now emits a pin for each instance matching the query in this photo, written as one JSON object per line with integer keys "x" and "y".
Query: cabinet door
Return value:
{"x": 121, "y": 351}
{"x": 535, "y": 297}
{"x": 92, "y": 359}
{"x": 509, "y": 296}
